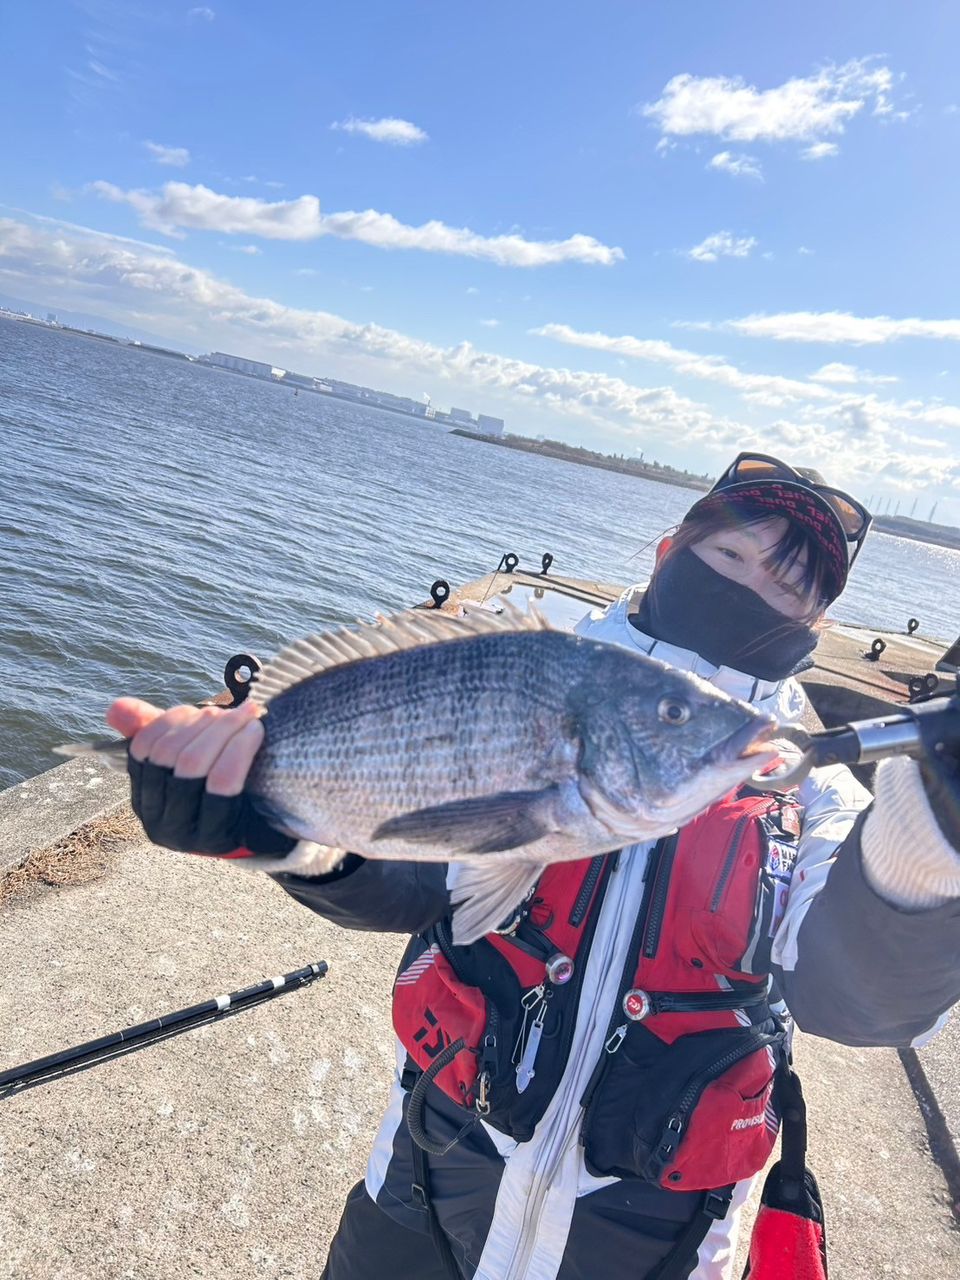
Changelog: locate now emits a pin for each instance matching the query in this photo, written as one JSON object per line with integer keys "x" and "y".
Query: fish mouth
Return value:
{"x": 751, "y": 742}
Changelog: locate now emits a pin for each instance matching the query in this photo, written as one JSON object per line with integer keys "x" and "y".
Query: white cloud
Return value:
{"x": 840, "y": 326}
{"x": 737, "y": 164}
{"x": 397, "y": 133}
{"x": 801, "y": 109}
{"x": 253, "y": 179}
{"x": 180, "y": 205}
{"x": 472, "y": 289}
{"x": 88, "y": 270}
{"x": 121, "y": 279}
{"x": 202, "y": 13}
{"x": 89, "y": 232}
{"x": 490, "y": 324}
{"x": 804, "y": 251}
{"x": 847, "y": 374}
{"x": 177, "y": 157}
{"x": 819, "y": 151}
{"x": 722, "y": 244}
{"x": 102, "y": 72}
{"x": 884, "y": 431}
{"x": 251, "y": 250}
{"x": 768, "y": 389}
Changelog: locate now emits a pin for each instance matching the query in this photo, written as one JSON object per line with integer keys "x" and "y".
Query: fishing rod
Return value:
{"x": 70, "y": 1061}
{"x": 929, "y": 728}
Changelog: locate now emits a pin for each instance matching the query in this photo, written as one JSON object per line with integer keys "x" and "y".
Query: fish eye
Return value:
{"x": 673, "y": 711}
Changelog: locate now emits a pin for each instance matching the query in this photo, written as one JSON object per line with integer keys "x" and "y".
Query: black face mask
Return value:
{"x": 694, "y": 607}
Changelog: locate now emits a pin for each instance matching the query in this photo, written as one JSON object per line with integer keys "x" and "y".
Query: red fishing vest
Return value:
{"x": 682, "y": 1095}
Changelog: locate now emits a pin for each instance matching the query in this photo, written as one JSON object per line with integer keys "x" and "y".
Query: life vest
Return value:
{"x": 683, "y": 1094}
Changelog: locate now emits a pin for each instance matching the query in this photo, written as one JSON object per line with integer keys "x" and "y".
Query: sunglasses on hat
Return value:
{"x": 852, "y": 515}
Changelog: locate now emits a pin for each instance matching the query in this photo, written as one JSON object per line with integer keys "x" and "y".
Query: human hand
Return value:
{"x": 187, "y": 771}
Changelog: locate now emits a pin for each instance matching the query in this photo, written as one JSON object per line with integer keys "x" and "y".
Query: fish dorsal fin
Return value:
{"x": 410, "y": 630}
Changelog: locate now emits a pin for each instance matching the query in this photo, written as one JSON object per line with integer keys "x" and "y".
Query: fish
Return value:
{"x": 493, "y": 740}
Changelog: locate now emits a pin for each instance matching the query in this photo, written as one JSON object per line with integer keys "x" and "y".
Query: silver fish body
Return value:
{"x": 495, "y": 741}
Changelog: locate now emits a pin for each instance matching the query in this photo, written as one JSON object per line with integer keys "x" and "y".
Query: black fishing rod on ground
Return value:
{"x": 921, "y": 729}
{"x": 69, "y": 1061}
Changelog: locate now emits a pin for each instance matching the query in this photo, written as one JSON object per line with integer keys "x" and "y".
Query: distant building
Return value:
{"x": 489, "y": 426}
{"x": 255, "y": 368}
{"x": 463, "y": 415}
{"x": 52, "y": 318}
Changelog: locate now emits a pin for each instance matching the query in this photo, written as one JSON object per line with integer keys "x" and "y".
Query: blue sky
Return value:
{"x": 680, "y": 228}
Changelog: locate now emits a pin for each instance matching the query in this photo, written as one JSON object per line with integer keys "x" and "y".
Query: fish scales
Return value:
{"x": 359, "y": 744}
{"x": 491, "y": 741}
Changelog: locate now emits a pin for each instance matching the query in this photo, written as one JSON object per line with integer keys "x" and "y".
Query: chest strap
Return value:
{"x": 639, "y": 1004}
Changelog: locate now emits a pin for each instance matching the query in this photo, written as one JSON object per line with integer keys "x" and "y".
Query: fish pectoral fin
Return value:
{"x": 484, "y": 824}
{"x": 307, "y": 858}
{"x": 486, "y": 893}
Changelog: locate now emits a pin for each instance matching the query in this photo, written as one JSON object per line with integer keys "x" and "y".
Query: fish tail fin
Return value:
{"x": 109, "y": 751}
{"x": 486, "y": 892}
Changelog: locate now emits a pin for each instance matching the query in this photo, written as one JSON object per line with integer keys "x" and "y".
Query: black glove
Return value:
{"x": 181, "y": 814}
{"x": 940, "y": 771}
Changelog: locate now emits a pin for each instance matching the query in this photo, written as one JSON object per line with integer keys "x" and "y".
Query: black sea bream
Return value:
{"x": 492, "y": 740}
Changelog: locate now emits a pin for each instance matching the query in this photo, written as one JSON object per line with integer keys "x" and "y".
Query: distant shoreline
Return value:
{"x": 895, "y": 526}
{"x": 587, "y": 458}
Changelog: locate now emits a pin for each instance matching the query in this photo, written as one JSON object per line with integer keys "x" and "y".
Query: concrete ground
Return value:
{"x": 225, "y": 1153}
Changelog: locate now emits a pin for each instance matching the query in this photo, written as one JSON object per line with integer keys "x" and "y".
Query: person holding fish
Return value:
{"x": 612, "y": 905}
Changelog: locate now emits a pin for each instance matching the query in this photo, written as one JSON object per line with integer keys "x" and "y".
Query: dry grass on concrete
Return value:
{"x": 79, "y": 857}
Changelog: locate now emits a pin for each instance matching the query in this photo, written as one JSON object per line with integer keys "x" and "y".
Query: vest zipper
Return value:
{"x": 730, "y": 859}
{"x": 583, "y": 950}
{"x": 586, "y": 891}
{"x": 653, "y": 909}
{"x": 446, "y": 946}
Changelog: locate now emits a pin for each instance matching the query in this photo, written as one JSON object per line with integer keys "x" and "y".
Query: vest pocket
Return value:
{"x": 432, "y": 1010}
{"x": 691, "y": 1116}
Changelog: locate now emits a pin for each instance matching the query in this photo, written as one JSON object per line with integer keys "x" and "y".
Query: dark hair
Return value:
{"x": 788, "y": 552}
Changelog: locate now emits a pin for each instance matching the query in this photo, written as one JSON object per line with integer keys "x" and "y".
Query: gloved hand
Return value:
{"x": 940, "y": 772}
{"x": 187, "y": 770}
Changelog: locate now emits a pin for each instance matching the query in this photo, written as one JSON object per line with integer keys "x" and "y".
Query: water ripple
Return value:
{"x": 156, "y": 517}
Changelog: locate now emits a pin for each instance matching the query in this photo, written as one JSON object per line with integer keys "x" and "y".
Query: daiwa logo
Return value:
{"x": 750, "y": 1123}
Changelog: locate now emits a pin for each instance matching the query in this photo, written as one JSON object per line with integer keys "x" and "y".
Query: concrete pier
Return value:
{"x": 225, "y": 1153}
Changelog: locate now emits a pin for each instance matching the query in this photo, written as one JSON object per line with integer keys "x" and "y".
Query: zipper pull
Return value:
{"x": 617, "y": 1039}
{"x": 525, "y": 1071}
